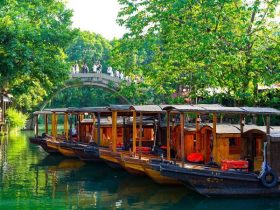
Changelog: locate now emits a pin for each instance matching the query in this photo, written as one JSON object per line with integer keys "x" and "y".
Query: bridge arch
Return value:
{"x": 104, "y": 81}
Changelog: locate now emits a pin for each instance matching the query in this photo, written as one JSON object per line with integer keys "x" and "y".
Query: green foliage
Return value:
{"x": 16, "y": 119}
{"x": 84, "y": 97}
{"x": 89, "y": 48}
{"x": 230, "y": 45}
{"x": 34, "y": 36}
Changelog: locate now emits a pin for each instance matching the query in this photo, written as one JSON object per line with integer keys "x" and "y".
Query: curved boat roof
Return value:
{"x": 216, "y": 108}
{"x": 198, "y": 108}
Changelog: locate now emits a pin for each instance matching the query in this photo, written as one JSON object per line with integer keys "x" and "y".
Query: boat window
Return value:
{"x": 234, "y": 146}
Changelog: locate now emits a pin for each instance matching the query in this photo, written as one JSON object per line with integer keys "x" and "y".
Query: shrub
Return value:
{"x": 15, "y": 118}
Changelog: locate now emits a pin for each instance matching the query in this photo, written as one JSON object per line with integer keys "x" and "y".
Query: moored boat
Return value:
{"x": 242, "y": 174}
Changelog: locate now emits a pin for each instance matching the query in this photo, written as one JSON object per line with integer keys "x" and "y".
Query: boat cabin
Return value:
{"x": 213, "y": 133}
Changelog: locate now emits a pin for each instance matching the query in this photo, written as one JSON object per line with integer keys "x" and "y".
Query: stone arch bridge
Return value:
{"x": 100, "y": 80}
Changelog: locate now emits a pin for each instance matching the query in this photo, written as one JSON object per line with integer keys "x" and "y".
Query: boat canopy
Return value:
{"x": 50, "y": 111}
{"x": 88, "y": 109}
{"x": 114, "y": 107}
{"x": 261, "y": 110}
{"x": 198, "y": 108}
{"x": 216, "y": 108}
{"x": 147, "y": 108}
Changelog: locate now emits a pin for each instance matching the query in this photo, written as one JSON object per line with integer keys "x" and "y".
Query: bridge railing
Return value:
{"x": 97, "y": 77}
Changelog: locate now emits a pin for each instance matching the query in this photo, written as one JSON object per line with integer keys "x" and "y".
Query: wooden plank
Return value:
{"x": 197, "y": 132}
{"x": 71, "y": 127}
{"x": 66, "y": 126}
{"x": 241, "y": 121}
{"x": 168, "y": 134}
{"x": 228, "y": 135}
{"x": 36, "y": 125}
{"x": 189, "y": 143}
{"x": 134, "y": 133}
{"x": 54, "y": 125}
{"x": 98, "y": 129}
{"x": 46, "y": 123}
{"x": 114, "y": 130}
{"x": 124, "y": 132}
{"x": 182, "y": 124}
{"x": 267, "y": 124}
{"x": 222, "y": 150}
{"x": 268, "y": 149}
{"x": 214, "y": 133}
{"x": 93, "y": 125}
{"x": 141, "y": 134}
{"x": 78, "y": 127}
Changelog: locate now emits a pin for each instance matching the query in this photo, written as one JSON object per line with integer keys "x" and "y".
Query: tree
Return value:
{"x": 34, "y": 35}
{"x": 229, "y": 45}
{"x": 89, "y": 48}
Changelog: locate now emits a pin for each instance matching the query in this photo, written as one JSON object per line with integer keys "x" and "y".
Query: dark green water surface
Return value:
{"x": 32, "y": 179}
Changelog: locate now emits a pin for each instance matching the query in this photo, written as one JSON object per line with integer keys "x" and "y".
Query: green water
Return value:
{"x": 32, "y": 179}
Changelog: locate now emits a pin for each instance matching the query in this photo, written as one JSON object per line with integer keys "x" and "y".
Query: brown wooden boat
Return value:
{"x": 231, "y": 159}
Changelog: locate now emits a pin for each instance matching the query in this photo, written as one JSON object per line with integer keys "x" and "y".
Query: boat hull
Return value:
{"x": 36, "y": 140}
{"x": 213, "y": 183}
{"x": 66, "y": 149}
{"x": 51, "y": 146}
{"x": 152, "y": 169}
{"x": 113, "y": 159}
{"x": 41, "y": 141}
{"x": 134, "y": 166}
{"x": 90, "y": 154}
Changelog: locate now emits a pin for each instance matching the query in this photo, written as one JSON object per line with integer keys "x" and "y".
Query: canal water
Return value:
{"x": 32, "y": 179}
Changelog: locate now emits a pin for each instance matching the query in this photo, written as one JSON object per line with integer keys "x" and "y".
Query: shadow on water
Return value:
{"x": 32, "y": 179}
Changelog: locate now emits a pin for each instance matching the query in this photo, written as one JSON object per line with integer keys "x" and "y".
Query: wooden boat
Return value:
{"x": 215, "y": 182}
{"x": 241, "y": 175}
{"x": 118, "y": 156}
{"x": 42, "y": 141}
{"x": 49, "y": 143}
{"x": 140, "y": 164}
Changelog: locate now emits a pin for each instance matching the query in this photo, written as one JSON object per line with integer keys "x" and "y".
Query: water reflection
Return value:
{"x": 31, "y": 179}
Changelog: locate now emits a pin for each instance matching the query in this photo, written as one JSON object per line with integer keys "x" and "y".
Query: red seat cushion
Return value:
{"x": 195, "y": 158}
{"x": 146, "y": 149}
